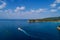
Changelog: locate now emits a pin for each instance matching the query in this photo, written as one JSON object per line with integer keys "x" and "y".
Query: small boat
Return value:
{"x": 58, "y": 27}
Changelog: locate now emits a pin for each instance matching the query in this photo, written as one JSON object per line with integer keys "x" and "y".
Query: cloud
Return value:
{"x": 8, "y": 11}
{"x": 53, "y": 10}
{"x": 19, "y": 8}
{"x": 57, "y": 1}
{"x": 32, "y": 10}
{"x": 53, "y": 5}
{"x": 58, "y": 8}
{"x": 40, "y": 10}
{"x": 3, "y": 5}
{"x": 1, "y": 11}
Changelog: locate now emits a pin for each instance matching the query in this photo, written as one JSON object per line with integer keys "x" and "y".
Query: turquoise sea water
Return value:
{"x": 28, "y": 31}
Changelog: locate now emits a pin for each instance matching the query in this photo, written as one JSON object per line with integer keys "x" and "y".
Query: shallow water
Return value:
{"x": 30, "y": 31}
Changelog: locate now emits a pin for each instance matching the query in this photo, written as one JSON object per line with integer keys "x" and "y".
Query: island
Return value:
{"x": 51, "y": 19}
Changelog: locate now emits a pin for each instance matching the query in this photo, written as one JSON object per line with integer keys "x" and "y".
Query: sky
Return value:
{"x": 29, "y": 9}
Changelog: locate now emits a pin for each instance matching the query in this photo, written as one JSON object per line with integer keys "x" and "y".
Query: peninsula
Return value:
{"x": 52, "y": 19}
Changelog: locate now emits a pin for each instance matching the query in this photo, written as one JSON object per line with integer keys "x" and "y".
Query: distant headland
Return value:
{"x": 52, "y": 19}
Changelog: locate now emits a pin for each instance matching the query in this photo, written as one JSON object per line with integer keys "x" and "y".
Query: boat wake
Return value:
{"x": 26, "y": 33}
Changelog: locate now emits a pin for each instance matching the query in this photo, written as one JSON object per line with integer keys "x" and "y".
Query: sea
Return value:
{"x": 23, "y": 30}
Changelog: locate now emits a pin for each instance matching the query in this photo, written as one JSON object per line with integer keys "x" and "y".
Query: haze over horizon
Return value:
{"x": 29, "y": 9}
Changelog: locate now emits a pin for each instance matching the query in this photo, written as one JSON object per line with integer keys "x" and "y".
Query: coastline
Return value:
{"x": 40, "y": 20}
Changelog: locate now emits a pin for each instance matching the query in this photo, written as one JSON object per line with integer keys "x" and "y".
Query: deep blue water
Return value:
{"x": 34, "y": 31}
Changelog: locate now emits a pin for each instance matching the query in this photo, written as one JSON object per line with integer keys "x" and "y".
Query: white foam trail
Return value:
{"x": 23, "y": 31}
{"x": 26, "y": 33}
{"x": 20, "y": 29}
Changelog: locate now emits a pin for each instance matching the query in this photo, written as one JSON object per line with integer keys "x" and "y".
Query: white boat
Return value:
{"x": 58, "y": 27}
